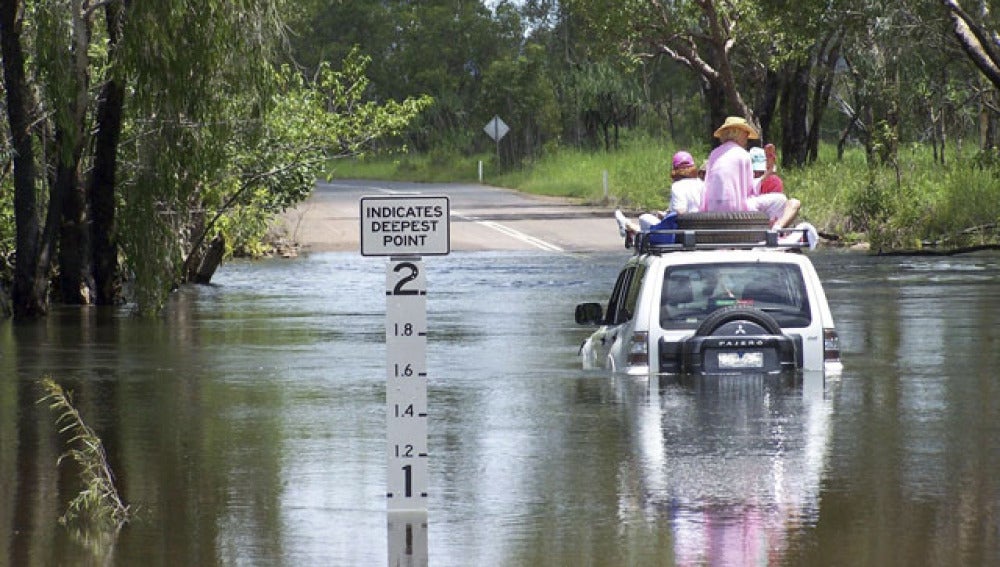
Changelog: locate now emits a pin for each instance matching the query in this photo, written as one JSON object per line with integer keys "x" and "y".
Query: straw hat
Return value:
{"x": 738, "y": 123}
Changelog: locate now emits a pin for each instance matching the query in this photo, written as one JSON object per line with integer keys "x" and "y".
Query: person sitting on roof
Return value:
{"x": 729, "y": 181}
{"x": 685, "y": 197}
{"x": 687, "y": 188}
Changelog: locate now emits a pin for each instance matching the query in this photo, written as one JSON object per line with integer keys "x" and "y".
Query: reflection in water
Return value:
{"x": 406, "y": 533}
{"x": 732, "y": 463}
{"x": 248, "y": 425}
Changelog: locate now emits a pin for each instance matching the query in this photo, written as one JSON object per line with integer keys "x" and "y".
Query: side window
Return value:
{"x": 613, "y": 314}
{"x": 632, "y": 296}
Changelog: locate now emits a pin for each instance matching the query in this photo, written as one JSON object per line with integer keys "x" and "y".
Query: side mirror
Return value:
{"x": 589, "y": 314}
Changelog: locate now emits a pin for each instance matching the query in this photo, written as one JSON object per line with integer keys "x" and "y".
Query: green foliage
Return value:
{"x": 257, "y": 158}
{"x": 311, "y": 122}
{"x": 200, "y": 76}
{"x": 98, "y": 505}
{"x": 927, "y": 202}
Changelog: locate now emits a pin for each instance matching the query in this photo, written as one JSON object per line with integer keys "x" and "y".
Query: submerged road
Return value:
{"x": 482, "y": 218}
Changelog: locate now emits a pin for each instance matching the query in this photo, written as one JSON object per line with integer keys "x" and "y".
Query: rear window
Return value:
{"x": 691, "y": 292}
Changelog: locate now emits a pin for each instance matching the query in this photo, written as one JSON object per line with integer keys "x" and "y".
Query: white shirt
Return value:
{"x": 686, "y": 194}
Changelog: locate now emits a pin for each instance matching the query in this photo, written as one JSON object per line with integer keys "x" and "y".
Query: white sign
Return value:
{"x": 411, "y": 225}
{"x": 496, "y": 128}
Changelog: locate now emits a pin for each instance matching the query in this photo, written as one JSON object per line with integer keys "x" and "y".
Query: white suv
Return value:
{"x": 710, "y": 308}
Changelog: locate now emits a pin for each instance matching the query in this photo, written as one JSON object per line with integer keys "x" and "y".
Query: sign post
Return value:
{"x": 405, "y": 228}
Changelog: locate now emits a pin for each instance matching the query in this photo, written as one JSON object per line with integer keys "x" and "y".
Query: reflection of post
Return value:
{"x": 407, "y": 533}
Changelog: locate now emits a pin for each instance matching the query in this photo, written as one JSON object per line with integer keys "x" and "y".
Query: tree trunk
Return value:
{"x": 716, "y": 103}
{"x": 725, "y": 77}
{"x": 987, "y": 121}
{"x": 826, "y": 65}
{"x": 75, "y": 283}
{"x": 101, "y": 190}
{"x": 74, "y": 269}
{"x": 31, "y": 266}
{"x": 772, "y": 91}
{"x": 211, "y": 260}
{"x": 794, "y": 114}
{"x": 978, "y": 44}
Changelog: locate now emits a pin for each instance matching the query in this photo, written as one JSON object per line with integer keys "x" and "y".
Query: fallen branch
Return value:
{"x": 99, "y": 501}
{"x": 948, "y": 252}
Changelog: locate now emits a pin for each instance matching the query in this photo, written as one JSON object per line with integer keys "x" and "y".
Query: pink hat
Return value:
{"x": 683, "y": 159}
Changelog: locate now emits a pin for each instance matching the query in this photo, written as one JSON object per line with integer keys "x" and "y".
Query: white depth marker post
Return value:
{"x": 406, "y": 383}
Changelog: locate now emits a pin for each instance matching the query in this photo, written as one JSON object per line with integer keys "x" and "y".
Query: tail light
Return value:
{"x": 638, "y": 350}
{"x": 831, "y": 345}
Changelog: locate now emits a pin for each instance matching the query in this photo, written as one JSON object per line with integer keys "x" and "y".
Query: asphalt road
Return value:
{"x": 482, "y": 218}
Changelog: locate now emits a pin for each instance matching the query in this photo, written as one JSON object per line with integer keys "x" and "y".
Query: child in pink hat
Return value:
{"x": 685, "y": 196}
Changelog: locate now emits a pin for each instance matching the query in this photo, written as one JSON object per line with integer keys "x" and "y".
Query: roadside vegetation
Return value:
{"x": 925, "y": 204}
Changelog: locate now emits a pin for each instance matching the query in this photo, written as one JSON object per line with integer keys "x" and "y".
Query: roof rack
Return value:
{"x": 659, "y": 241}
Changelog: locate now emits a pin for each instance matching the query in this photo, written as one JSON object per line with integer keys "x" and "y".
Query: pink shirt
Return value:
{"x": 729, "y": 179}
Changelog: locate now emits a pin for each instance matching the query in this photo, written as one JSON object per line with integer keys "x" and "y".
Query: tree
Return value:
{"x": 31, "y": 267}
{"x": 712, "y": 39}
{"x": 604, "y": 98}
{"x": 182, "y": 132}
{"x": 520, "y": 91}
{"x": 313, "y": 120}
{"x": 440, "y": 48}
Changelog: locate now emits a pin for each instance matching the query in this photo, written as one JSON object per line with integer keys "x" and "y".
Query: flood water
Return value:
{"x": 247, "y": 425}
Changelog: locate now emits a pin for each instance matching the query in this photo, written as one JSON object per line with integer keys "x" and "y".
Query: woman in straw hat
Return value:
{"x": 730, "y": 183}
{"x": 729, "y": 180}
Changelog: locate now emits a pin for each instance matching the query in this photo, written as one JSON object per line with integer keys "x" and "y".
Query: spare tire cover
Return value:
{"x": 753, "y": 321}
{"x": 744, "y": 226}
{"x": 729, "y": 219}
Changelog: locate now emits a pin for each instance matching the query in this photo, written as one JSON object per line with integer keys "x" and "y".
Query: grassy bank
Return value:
{"x": 894, "y": 206}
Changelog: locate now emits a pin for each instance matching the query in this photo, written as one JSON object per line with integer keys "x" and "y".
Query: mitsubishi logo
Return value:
{"x": 740, "y": 330}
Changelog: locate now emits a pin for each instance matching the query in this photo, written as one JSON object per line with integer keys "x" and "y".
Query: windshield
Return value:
{"x": 691, "y": 292}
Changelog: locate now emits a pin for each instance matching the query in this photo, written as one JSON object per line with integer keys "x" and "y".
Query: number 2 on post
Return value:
{"x": 399, "y": 288}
